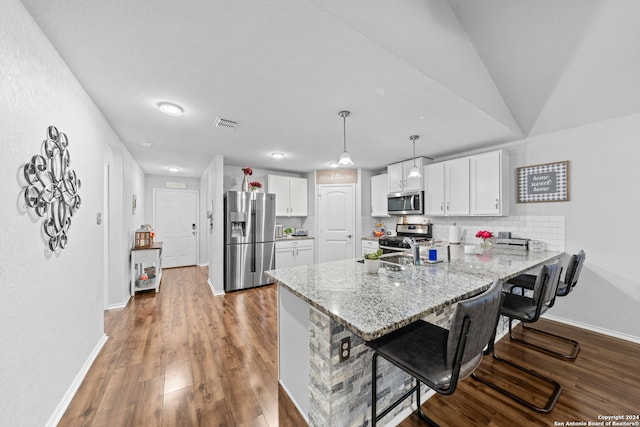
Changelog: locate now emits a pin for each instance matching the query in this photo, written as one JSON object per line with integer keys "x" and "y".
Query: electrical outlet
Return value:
{"x": 345, "y": 348}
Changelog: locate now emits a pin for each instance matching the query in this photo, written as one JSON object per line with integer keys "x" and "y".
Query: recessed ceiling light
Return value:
{"x": 170, "y": 108}
{"x": 146, "y": 143}
{"x": 277, "y": 156}
{"x": 333, "y": 164}
{"x": 173, "y": 169}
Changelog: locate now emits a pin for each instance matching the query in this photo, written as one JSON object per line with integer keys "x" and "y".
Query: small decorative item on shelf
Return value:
{"x": 372, "y": 261}
{"x": 486, "y": 237}
{"x": 255, "y": 186}
{"x": 245, "y": 182}
{"x": 288, "y": 232}
{"x": 144, "y": 236}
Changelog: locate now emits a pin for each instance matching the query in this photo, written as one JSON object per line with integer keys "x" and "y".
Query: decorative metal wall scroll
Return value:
{"x": 52, "y": 187}
{"x": 543, "y": 183}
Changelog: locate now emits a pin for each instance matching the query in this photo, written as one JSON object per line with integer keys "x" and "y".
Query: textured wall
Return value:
{"x": 51, "y": 304}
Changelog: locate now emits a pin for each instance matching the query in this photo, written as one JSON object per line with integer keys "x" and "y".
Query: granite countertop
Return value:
{"x": 286, "y": 239}
{"x": 373, "y": 238}
{"x": 372, "y": 305}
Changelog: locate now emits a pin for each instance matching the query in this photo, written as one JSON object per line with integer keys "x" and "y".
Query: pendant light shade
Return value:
{"x": 414, "y": 172}
{"x": 345, "y": 157}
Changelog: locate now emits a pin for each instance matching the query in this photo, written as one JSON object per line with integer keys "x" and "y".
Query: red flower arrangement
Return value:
{"x": 486, "y": 238}
{"x": 255, "y": 185}
{"x": 484, "y": 234}
{"x": 247, "y": 171}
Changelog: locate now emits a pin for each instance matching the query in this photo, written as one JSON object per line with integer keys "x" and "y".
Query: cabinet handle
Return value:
{"x": 442, "y": 206}
{"x": 496, "y": 203}
{"x": 447, "y": 205}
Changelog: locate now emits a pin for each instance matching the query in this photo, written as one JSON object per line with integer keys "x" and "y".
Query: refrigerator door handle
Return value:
{"x": 254, "y": 223}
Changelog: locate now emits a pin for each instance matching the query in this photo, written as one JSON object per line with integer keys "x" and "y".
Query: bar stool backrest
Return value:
{"x": 573, "y": 270}
{"x": 482, "y": 312}
{"x": 546, "y": 284}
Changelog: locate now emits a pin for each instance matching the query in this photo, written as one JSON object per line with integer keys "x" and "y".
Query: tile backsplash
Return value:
{"x": 549, "y": 229}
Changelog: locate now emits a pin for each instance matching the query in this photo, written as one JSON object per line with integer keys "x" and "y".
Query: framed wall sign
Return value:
{"x": 543, "y": 183}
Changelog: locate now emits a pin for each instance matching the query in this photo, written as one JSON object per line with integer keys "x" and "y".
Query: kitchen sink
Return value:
{"x": 396, "y": 262}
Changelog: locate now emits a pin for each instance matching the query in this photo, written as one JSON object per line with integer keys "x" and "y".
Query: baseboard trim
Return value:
{"x": 206, "y": 264}
{"x": 75, "y": 385}
{"x": 213, "y": 290}
{"x": 119, "y": 305}
{"x": 593, "y": 328}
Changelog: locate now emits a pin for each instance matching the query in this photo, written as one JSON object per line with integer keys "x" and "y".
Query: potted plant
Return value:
{"x": 288, "y": 232}
{"x": 372, "y": 261}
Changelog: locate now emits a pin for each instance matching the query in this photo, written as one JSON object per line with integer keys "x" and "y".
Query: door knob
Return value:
{"x": 348, "y": 236}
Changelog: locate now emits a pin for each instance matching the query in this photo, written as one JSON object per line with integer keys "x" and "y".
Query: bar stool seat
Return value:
{"x": 436, "y": 356}
{"x": 528, "y": 309}
{"x": 527, "y": 282}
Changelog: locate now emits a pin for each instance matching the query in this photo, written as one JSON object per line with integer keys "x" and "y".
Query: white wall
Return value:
{"x": 601, "y": 217}
{"x": 215, "y": 175}
{"x": 51, "y": 304}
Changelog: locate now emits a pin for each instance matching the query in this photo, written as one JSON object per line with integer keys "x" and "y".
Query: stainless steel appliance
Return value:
{"x": 406, "y": 203}
{"x": 418, "y": 232}
{"x": 250, "y": 223}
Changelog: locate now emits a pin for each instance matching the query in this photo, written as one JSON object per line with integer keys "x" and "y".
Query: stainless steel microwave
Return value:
{"x": 406, "y": 203}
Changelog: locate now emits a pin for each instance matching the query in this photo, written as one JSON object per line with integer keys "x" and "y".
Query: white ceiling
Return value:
{"x": 462, "y": 74}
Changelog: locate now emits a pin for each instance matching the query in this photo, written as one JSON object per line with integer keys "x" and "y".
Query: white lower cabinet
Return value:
{"x": 292, "y": 253}
{"x": 369, "y": 246}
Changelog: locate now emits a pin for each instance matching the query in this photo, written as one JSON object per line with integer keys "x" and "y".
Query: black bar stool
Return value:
{"x": 529, "y": 309}
{"x": 526, "y": 281}
{"x": 435, "y": 356}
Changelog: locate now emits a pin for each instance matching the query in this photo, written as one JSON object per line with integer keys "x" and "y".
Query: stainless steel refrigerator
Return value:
{"x": 250, "y": 222}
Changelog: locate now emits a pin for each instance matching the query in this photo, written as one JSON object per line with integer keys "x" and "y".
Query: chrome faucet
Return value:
{"x": 415, "y": 249}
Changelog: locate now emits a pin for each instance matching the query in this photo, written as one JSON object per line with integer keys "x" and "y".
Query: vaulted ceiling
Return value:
{"x": 462, "y": 74}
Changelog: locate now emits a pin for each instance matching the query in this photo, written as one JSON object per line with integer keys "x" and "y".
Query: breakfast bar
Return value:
{"x": 326, "y": 313}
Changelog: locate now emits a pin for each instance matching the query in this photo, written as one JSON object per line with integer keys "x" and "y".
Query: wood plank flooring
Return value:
{"x": 185, "y": 358}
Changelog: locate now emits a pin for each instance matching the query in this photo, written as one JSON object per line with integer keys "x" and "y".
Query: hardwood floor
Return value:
{"x": 184, "y": 358}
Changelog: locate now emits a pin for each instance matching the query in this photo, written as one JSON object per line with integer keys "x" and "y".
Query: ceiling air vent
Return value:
{"x": 225, "y": 123}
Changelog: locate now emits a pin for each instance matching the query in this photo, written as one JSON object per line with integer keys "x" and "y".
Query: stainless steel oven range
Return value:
{"x": 418, "y": 232}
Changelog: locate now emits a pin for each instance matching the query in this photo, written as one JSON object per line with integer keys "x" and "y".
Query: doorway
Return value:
{"x": 175, "y": 222}
{"x": 336, "y": 218}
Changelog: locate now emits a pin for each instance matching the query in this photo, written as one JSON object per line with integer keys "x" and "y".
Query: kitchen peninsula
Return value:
{"x": 327, "y": 311}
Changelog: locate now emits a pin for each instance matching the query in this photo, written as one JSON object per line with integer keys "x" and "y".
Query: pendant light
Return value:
{"x": 345, "y": 157}
{"x": 414, "y": 172}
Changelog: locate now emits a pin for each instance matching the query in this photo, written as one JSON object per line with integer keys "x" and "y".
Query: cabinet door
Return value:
{"x": 485, "y": 183}
{"x": 434, "y": 189}
{"x": 457, "y": 186}
{"x": 285, "y": 256}
{"x": 298, "y": 197}
{"x": 395, "y": 178}
{"x": 304, "y": 255}
{"x": 279, "y": 185}
{"x": 412, "y": 183}
{"x": 379, "y": 190}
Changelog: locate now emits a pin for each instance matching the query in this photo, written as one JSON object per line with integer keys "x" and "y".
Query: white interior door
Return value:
{"x": 337, "y": 222}
{"x": 175, "y": 215}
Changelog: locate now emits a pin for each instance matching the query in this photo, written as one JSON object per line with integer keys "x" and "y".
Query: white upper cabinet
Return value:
{"x": 456, "y": 186}
{"x": 291, "y": 194}
{"x": 434, "y": 189}
{"x": 447, "y": 188}
{"x": 489, "y": 183}
{"x": 397, "y": 176}
{"x": 379, "y": 190}
{"x": 474, "y": 185}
